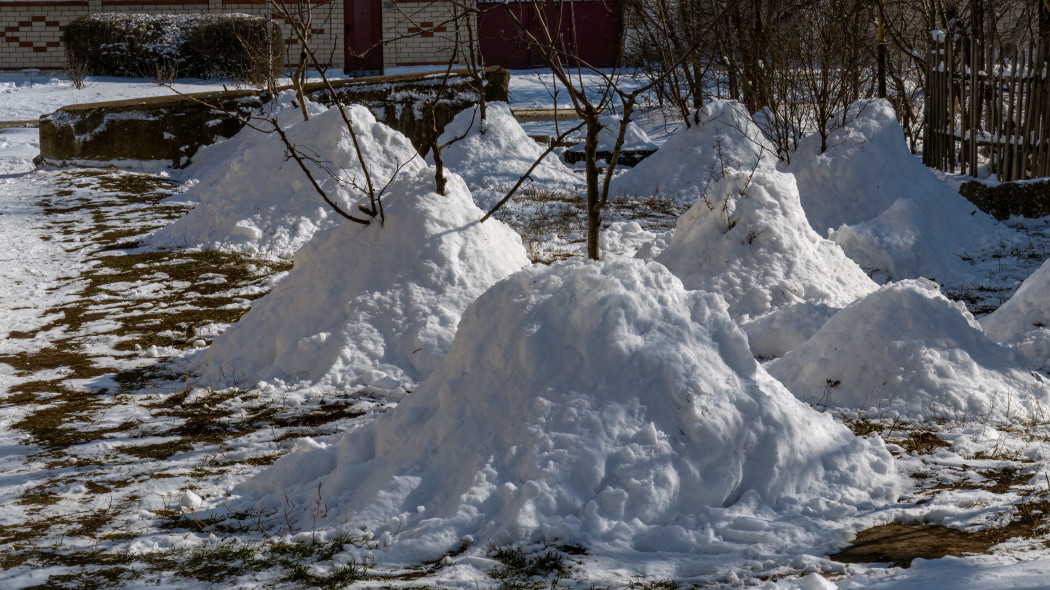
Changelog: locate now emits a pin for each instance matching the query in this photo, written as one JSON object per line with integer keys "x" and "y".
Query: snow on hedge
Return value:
{"x": 693, "y": 159}
{"x": 500, "y": 154}
{"x": 749, "y": 241}
{"x": 376, "y": 305}
{"x": 908, "y": 349}
{"x": 595, "y": 403}
{"x": 883, "y": 206}
{"x": 260, "y": 202}
{"x": 1024, "y": 320}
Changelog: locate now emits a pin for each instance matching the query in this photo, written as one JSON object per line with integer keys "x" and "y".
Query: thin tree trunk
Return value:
{"x": 594, "y": 209}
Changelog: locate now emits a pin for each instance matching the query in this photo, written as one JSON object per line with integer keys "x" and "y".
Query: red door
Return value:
{"x": 363, "y": 37}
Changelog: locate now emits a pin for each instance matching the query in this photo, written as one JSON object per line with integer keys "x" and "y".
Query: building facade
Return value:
{"x": 366, "y": 36}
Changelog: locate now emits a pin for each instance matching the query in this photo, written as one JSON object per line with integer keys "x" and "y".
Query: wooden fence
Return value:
{"x": 994, "y": 111}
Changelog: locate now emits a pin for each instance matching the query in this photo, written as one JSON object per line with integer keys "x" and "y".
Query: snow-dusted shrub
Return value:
{"x": 185, "y": 45}
{"x": 593, "y": 403}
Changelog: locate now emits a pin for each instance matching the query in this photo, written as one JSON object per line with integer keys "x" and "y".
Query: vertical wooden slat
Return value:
{"x": 950, "y": 113}
{"x": 927, "y": 107}
{"x": 935, "y": 114}
{"x": 964, "y": 112}
{"x": 1008, "y": 123}
{"x": 1015, "y": 163}
{"x": 995, "y": 108}
{"x": 975, "y": 106}
{"x": 1042, "y": 153}
{"x": 1039, "y": 112}
{"x": 1026, "y": 144}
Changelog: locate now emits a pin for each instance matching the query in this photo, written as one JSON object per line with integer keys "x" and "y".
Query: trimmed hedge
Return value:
{"x": 170, "y": 46}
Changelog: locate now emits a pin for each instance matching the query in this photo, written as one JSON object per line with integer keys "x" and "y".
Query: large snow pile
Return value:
{"x": 1024, "y": 320}
{"x": 634, "y": 138}
{"x": 498, "y": 152}
{"x": 908, "y": 349}
{"x": 749, "y": 241}
{"x": 591, "y": 403}
{"x": 262, "y": 203}
{"x": 209, "y": 164}
{"x": 693, "y": 159}
{"x": 376, "y": 304}
{"x": 883, "y": 206}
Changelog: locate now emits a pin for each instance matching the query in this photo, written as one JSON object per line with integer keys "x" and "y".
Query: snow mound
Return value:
{"x": 1024, "y": 320}
{"x": 908, "y": 349}
{"x": 376, "y": 305}
{"x": 261, "y": 203}
{"x": 634, "y": 139}
{"x": 209, "y": 164}
{"x": 692, "y": 159}
{"x": 749, "y": 241}
{"x": 592, "y": 403}
{"x": 499, "y": 155}
{"x": 883, "y": 206}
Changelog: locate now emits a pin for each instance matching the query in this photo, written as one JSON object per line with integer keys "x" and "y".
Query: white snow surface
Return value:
{"x": 1024, "y": 319}
{"x": 497, "y": 152}
{"x": 883, "y": 207}
{"x": 597, "y": 403}
{"x": 906, "y": 349}
{"x": 259, "y": 202}
{"x": 374, "y": 305}
{"x": 691, "y": 160}
{"x": 749, "y": 241}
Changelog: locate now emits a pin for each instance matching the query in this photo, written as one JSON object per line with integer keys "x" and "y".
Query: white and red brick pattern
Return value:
{"x": 31, "y": 30}
{"x": 415, "y": 32}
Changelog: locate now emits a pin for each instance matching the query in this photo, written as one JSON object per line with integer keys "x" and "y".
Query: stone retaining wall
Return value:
{"x": 170, "y": 130}
{"x": 1027, "y": 198}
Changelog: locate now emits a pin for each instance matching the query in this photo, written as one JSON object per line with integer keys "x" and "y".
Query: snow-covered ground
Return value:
{"x": 590, "y": 424}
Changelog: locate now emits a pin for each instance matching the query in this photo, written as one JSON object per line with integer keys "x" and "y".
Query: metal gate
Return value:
{"x": 590, "y": 31}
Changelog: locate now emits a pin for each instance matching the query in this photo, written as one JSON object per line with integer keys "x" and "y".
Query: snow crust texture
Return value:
{"x": 907, "y": 350}
{"x": 498, "y": 151}
{"x": 749, "y": 241}
{"x": 1023, "y": 320}
{"x": 593, "y": 403}
{"x": 259, "y": 202}
{"x": 883, "y": 207}
{"x": 695, "y": 158}
{"x": 376, "y": 305}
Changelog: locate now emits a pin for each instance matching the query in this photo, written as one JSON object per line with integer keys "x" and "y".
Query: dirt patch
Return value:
{"x": 923, "y": 442}
{"x": 899, "y": 544}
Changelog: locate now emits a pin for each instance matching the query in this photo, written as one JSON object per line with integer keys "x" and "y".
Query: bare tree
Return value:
{"x": 543, "y": 35}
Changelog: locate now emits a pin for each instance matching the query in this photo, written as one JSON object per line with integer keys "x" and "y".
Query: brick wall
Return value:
{"x": 414, "y": 32}
{"x": 32, "y": 30}
{"x": 419, "y": 33}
